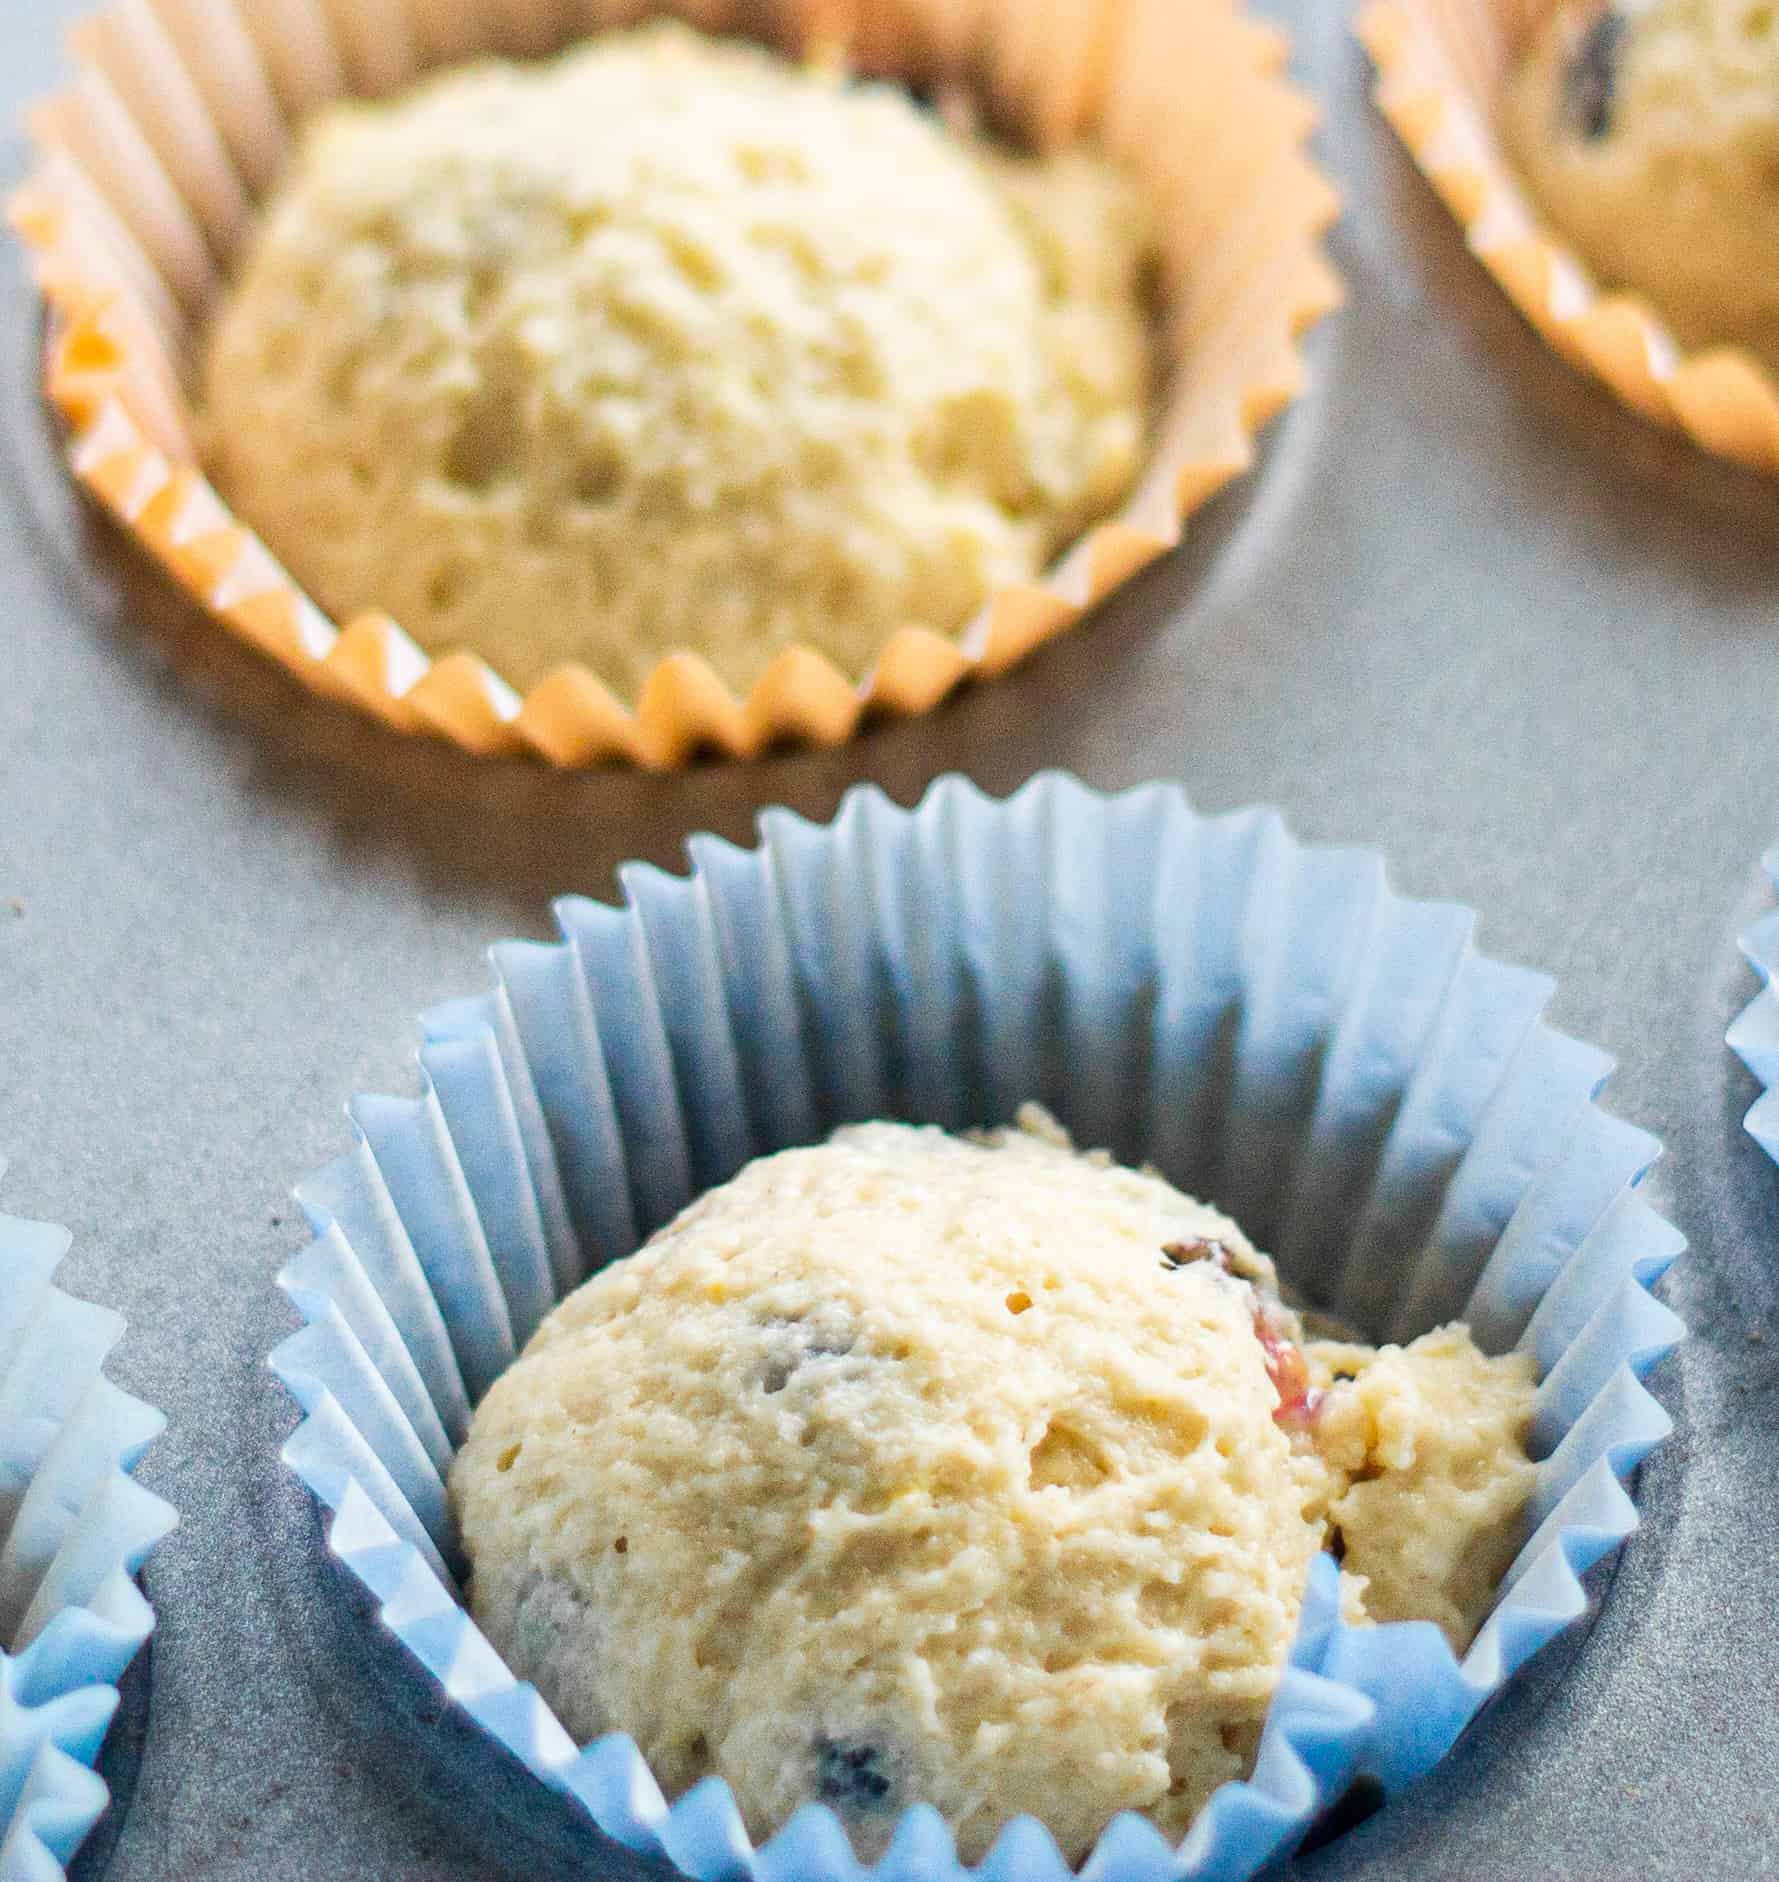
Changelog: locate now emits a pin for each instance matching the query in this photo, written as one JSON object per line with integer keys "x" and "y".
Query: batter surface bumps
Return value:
{"x": 673, "y": 344}
{"x": 978, "y": 1472}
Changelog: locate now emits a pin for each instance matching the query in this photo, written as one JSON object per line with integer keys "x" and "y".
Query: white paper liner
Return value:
{"x": 74, "y": 1530}
{"x": 1266, "y": 1021}
{"x": 1754, "y": 1037}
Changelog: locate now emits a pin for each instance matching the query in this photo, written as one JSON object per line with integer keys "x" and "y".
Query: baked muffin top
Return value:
{"x": 667, "y": 344}
{"x": 975, "y": 1472}
{"x": 1648, "y": 131}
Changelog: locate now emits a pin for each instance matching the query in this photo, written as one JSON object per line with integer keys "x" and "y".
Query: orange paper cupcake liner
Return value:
{"x": 181, "y": 113}
{"x": 1441, "y": 66}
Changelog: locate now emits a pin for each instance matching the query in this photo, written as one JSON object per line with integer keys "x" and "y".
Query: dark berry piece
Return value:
{"x": 850, "y": 1774}
{"x": 1218, "y": 1254}
{"x": 791, "y": 1344}
{"x": 1591, "y": 80}
{"x": 1183, "y": 1254}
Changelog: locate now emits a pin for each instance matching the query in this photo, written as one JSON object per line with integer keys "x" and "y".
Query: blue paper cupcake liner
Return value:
{"x": 1265, "y": 1021}
{"x": 75, "y": 1528}
{"x": 1754, "y": 1037}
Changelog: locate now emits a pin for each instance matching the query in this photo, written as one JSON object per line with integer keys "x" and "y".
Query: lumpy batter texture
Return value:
{"x": 1649, "y": 133}
{"x": 671, "y": 344}
{"x": 978, "y": 1472}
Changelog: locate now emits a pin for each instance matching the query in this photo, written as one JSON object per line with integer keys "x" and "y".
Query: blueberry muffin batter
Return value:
{"x": 670, "y": 344}
{"x": 1648, "y": 132}
{"x": 978, "y": 1472}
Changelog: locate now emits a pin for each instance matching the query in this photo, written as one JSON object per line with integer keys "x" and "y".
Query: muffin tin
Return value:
{"x": 1466, "y": 610}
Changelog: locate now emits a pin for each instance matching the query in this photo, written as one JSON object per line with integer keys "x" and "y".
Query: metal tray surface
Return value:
{"x": 1466, "y": 610}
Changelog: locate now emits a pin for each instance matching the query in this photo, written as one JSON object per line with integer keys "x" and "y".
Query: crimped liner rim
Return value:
{"x": 1754, "y": 1034}
{"x": 158, "y": 146}
{"x": 75, "y": 1530}
{"x": 1432, "y": 70}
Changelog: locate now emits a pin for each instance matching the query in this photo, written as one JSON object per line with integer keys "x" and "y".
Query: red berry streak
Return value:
{"x": 1299, "y": 1401}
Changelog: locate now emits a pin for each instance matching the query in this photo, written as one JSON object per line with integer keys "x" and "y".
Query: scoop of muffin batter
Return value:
{"x": 1648, "y": 130}
{"x": 977, "y": 1472}
{"x": 672, "y": 344}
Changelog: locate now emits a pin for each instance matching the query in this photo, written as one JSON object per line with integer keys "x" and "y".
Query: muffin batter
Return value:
{"x": 1648, "y": 131}
{"x": 975, "y": 1472}
{"x": 670, "y": 344}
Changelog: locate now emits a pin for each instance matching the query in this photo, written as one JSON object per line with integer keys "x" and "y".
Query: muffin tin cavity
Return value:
{"x": 1267, "y": 1022}
{"x": 135, "y": 215}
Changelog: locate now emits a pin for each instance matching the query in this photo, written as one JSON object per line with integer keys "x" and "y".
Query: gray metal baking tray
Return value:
{"x": 1466, "y": 610}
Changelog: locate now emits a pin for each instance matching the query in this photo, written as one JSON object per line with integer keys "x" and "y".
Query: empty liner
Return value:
{"x": 181, "y": 114}
{"x": 1266, "y": 1021}
{"x": 75, "y": 1528}
{"x": 1441, "y": 66}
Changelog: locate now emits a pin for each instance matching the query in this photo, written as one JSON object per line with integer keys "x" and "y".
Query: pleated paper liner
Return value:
{"x": 1441, "y": 66}
{"x": 181, "y": 113}
{"x": 1267, "y": 1022}
{"x": 74, "y": 1530}
{"x": 1754, "y": 1038}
